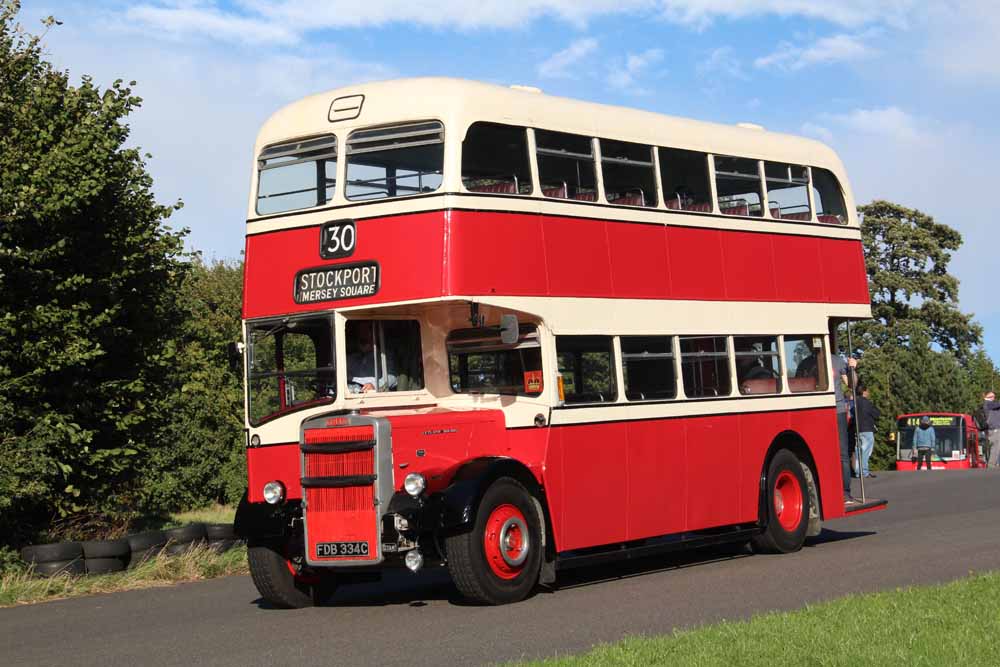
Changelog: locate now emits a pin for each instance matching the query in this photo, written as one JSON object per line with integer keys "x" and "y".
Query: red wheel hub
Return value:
{"x": 506, "y": 541}
{"x": 787, "y": 500}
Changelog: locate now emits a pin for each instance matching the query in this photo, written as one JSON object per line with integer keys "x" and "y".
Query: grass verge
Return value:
{"x": 20, "y": 587}
{"x": 212, "y": 514}
{"x": 954, "y": 623}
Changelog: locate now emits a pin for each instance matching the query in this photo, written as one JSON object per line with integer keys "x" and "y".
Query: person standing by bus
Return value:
{"x": 924, "y": 441}
{"x": 868, "y": 414}
{"x": 991, "y": 406}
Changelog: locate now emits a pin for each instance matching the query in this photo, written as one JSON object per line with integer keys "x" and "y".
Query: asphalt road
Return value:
{"x": 939, "y": 526}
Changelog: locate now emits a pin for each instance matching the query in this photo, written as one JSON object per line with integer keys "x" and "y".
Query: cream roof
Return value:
{"x": 459, "y": 103}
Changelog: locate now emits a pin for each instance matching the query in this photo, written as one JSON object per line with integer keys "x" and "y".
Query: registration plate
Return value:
{"x": 332, "y": 549}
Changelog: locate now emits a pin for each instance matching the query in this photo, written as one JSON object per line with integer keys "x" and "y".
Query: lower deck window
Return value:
{"x": 648, "y": 366}
{"x": 758, "y": 368}
{"x": 383, "y": 355}
{"x": 479, "y": 362}
{"x": 805, "y": 363}
{"x": 586, "y": 369}
{"x": 705, "y": 366}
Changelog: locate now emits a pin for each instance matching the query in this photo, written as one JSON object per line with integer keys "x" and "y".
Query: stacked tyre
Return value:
{"x": 181, "y": 540}
{"x": 220, "y": 536}
{"x": 58, "y": 558}
{"x": 144, "y": 546}
{"x": 105, "y": 556}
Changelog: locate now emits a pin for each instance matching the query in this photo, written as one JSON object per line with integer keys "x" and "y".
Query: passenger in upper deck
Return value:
{"x": 362, "y": 375}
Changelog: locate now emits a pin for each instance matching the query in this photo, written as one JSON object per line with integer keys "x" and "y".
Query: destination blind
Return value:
{"x": 330, "y": 283}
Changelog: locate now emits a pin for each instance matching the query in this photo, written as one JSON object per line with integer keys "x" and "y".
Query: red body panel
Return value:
{"x": 447, "y": 253}
{"x": 274, "y": 463}
{"x": 605, "y": 482}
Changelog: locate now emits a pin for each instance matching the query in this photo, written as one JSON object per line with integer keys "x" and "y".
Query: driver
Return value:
{"x": 361, "y": 364}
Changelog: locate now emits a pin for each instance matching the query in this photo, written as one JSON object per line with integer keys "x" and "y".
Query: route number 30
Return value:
{"x": 338, "y": 239}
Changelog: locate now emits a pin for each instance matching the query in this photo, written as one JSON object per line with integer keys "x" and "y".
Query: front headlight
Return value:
{"x": 274, "y": 492}
{"x": 414, "y": 484}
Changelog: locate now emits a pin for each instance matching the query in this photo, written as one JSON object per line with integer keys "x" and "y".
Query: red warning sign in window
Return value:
{"x": 532, "y": 382}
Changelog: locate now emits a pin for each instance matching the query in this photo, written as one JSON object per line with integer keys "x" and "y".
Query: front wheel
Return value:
{"x": 283, "y": 581}
{"x": 498, "y": 561}
{"x": 787, "y": 506}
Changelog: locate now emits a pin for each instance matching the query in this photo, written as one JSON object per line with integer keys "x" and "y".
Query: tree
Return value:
{"x": 88, "y": 282}
{"x": 907, "y": 255}
{"x": 202, "y": 458}
{"x": 921, "y": 353}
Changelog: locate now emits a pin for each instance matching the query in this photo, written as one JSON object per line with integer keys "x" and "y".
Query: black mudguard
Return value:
{"x": 454, "y": 508}
{"x": 260, "y": 520}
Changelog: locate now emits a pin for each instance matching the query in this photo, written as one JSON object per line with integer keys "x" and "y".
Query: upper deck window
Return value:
{"x": 787, "y": 191}
{"x": 684, "y": 177}
{"x": 495, "y": 159}
{"x": 566, "y": 165}
{"x": 627, "y": 169}
{"x": 479, "y": 362}
{"x": 828, "y": 197}
{"x": 737, "y": 181}
{"x": 395, "y": 161}
{"x": 297, "y": 174}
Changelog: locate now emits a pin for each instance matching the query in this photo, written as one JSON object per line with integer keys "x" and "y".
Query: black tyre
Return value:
{"x": 283, "y": 581}
{"x": 51, "y": 553}
{"x": 52, "y": 568}
{"x": 219, "y": 531}
{"x": 105, "y": 549}
{"x": 787, "y": 506}
{"x": 498, "y": 561}
{"x": 194, "y": 532}
{"x": 143, "y": 542}
{"x": 218, "y": 546}
{"x": 179, "y": 549}
{"x": 104, "y": 565}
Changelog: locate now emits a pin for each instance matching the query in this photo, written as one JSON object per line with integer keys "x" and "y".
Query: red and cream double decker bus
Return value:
{"x": 511, "y": 333}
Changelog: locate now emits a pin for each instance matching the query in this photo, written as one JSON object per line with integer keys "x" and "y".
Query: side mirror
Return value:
{"x": 235, "y": 353}
{"x": 509, "y": 329}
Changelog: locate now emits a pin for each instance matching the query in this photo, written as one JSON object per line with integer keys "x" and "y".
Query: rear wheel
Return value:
{"x": 787, "y": 506}
{"x": 498, "y": 561}
{"x": 283, "y": 580}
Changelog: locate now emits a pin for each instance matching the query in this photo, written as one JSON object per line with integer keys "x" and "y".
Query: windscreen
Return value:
{"x": 291, "y": 366}
{"x": 948, "y": 435}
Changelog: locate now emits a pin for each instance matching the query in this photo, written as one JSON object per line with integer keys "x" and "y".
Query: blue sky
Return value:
{"x": 907, "y": 91}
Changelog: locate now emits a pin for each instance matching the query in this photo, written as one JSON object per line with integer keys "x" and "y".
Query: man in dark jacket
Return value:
{"x": 868, "y": 414}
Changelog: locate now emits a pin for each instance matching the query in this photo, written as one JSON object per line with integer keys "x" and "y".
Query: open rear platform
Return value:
{"x": 867, "y": 506}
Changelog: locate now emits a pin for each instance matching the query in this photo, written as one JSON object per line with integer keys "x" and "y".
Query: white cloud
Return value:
{"x": 826, "y": 50}
{"x": 559, "y": 64}
{"x": 890, "y": 122}
{"x": 962, "y": 40}
{"x": 623, "y": 75}
{"x": 286, "y": 21}
{"x": 700, "y": 13}
{"x": 722, "y": 61}
{"x": 818, "y": 131}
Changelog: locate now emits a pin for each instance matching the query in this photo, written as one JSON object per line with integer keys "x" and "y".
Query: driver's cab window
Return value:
{"x": 383, "y": 355}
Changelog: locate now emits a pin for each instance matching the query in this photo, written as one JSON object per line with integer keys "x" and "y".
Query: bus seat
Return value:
{"x": 634, "y": 199}
{"x": 673, "y": 203}
{"x": 501, "y": 187}
{"x": 736, "y": 210}
{"x": 797, "y": 216}
{"x": 585, "y": 196}
{"x": 776, "y": 213}
{"x": 830, "y": 219}
{"x": 559, "y": 192}
{"x": 759, "y": 386}
{"x": 802, "y": 384}
{"x": 700, "y": 208}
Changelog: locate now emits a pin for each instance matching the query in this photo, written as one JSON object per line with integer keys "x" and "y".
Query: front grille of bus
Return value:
{"x": 339, "y": 473}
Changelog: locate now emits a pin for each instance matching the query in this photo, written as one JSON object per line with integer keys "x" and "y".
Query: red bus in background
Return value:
{"x": 509, "y": 334}
{"x": 958, "y": 441}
